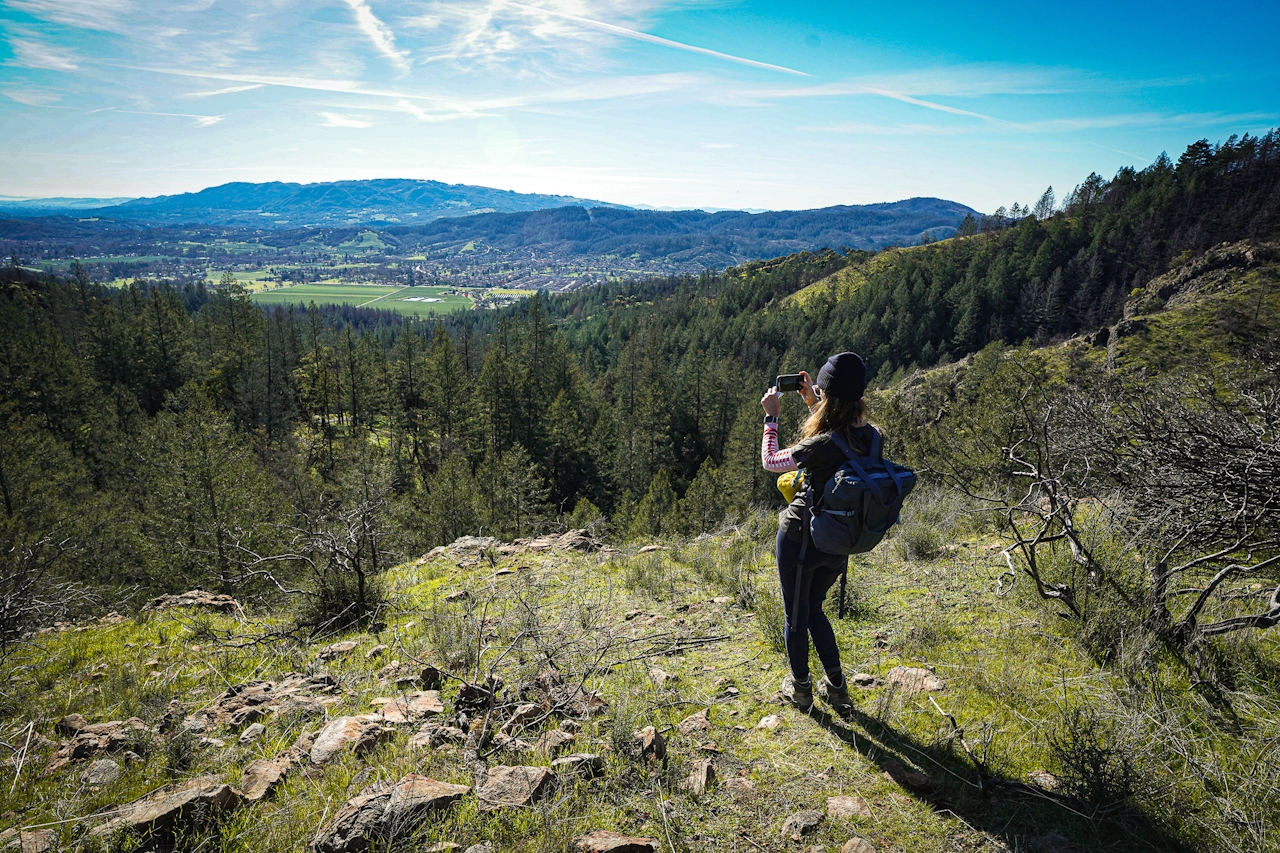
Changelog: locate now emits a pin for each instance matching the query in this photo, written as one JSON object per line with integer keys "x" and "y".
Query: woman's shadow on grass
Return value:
{"x": 1023, "y": 816}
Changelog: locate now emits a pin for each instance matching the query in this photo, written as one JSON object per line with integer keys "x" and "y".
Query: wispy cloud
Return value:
{"x": 338, "y": 120}
{"x": 536, "y": 40}
{"x": 200, "y": 120}
{"x": 84, "y": 14}
{"x": 32, "y": 53}
{"x": 450, "y": 107}
{"x": 33, "y": 97}
{"x": 627, "y": 32}
{"x": 230, "y": 90}
{"x": 943, "y": 108}
{"x": 379, "y": 33}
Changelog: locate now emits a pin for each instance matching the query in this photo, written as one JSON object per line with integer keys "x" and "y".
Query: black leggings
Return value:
{"x": 810, "y": 620}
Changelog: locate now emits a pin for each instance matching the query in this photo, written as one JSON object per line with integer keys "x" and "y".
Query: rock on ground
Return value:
{"x": 359, "y": 733}
{"x": 701, "y": 777}
{"x": 551, "y": 742}
{"x": 699, "y": 722}
{"x": 650, "y": 743}
{"x": 769, "y": 723}
{"x": 432, "y": 735}
{"x": 847, "y": 807}
{"x": 604, "y": 841}
{"x": 514, "y": 786}
{"x": 340, "y": 649}
{"x": 262, "y": 776}
{"x": 249, "y": 702}
{"x": 858, "y": 845}
{"x": 913, "y": 679}
{"x": 801, "y": 823}
{"x": 28, "y": 841}
{"x": 584, "y": 764}
{"x": 196, "y": 598}
{"x": 89, "y": 740}
{"x": 104, "y": 771}
{"x": 523, "y": 715}
{"x": 573, "y": 540}
{"x": 411, "y": 707}
{"x": 172, "y": 807}
{"x": 252, "y": 733}
{"x": 385, "y": 814}
{"x": 70, "y": 724}
{"x": 1044, "y": 779}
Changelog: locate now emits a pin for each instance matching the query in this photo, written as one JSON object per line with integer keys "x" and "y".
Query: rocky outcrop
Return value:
{"x": 470, "y": 546}
{"x": 385, "y": 814}
{"x": 252, "y": 701}
{"x": 196, "y": 598}
{"x": 508, "y": 787}
{"x": 906, "y": 776}
{"x": 432, "y": 735}
{"x": 164, "y": 812}
{"x": 858, "y": 845}
{"x": 89, "y": 740}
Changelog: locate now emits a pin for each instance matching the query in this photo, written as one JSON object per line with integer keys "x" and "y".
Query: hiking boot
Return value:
{"x": 836, "y": 697}
{"x": 800, "y": 695}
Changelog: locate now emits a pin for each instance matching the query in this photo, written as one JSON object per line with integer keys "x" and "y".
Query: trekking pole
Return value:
{"x": 844, "y": 576}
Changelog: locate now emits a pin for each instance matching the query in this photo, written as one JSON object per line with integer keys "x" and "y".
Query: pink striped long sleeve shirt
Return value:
{"x": 775, "y": 460}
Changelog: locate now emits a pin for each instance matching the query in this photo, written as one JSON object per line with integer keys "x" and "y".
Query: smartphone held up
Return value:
{"x": 788, "y": 382}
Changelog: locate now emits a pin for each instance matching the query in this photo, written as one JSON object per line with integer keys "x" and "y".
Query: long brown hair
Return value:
{"x": 834, "y": 413}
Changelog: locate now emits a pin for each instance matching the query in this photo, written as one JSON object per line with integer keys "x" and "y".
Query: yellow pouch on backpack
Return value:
{"x": 790, "y": 484}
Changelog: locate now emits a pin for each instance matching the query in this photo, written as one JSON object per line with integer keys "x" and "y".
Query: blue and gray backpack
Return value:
{"x": 858, "y": 505}
{"x": 860, "y": 502}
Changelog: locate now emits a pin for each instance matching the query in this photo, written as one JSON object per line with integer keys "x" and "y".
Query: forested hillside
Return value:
{"x": 189, "y": 419}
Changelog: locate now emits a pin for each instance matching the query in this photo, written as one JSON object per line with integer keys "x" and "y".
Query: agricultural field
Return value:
{"x": 413, "y": 301}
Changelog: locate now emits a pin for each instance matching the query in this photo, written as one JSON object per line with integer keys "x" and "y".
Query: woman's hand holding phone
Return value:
{"x": 806, "y": 391}
{"x": 771, "y": 402}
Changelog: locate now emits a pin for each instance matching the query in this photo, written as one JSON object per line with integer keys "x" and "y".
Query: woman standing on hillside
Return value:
{"x": 837, "y": 404}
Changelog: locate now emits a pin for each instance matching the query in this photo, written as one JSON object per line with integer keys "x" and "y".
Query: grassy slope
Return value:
{"x": 1011, "y": 668}
{"x": 1005, "y": 665}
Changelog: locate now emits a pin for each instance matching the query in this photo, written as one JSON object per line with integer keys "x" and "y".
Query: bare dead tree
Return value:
{"x": 1186, "y": 468}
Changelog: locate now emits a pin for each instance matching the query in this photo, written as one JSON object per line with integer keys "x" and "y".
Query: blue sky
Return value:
{"x": 686, "y": 104}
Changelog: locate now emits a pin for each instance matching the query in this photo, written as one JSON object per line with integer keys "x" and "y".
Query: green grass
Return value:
{"x": 373, "y": 296}
{"x": 325, "y": 294}
{"x": 1009, "y": 664}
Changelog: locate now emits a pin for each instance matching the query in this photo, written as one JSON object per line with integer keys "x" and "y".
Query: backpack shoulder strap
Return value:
{"x": 853, "y": 462}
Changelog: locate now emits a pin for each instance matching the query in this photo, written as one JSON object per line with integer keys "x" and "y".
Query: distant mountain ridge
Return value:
{"x": 680, "y": 240}
{"x": 697, "y": 237}
{"x": 59, "y": 203}
{"x": 339, "y": 202}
